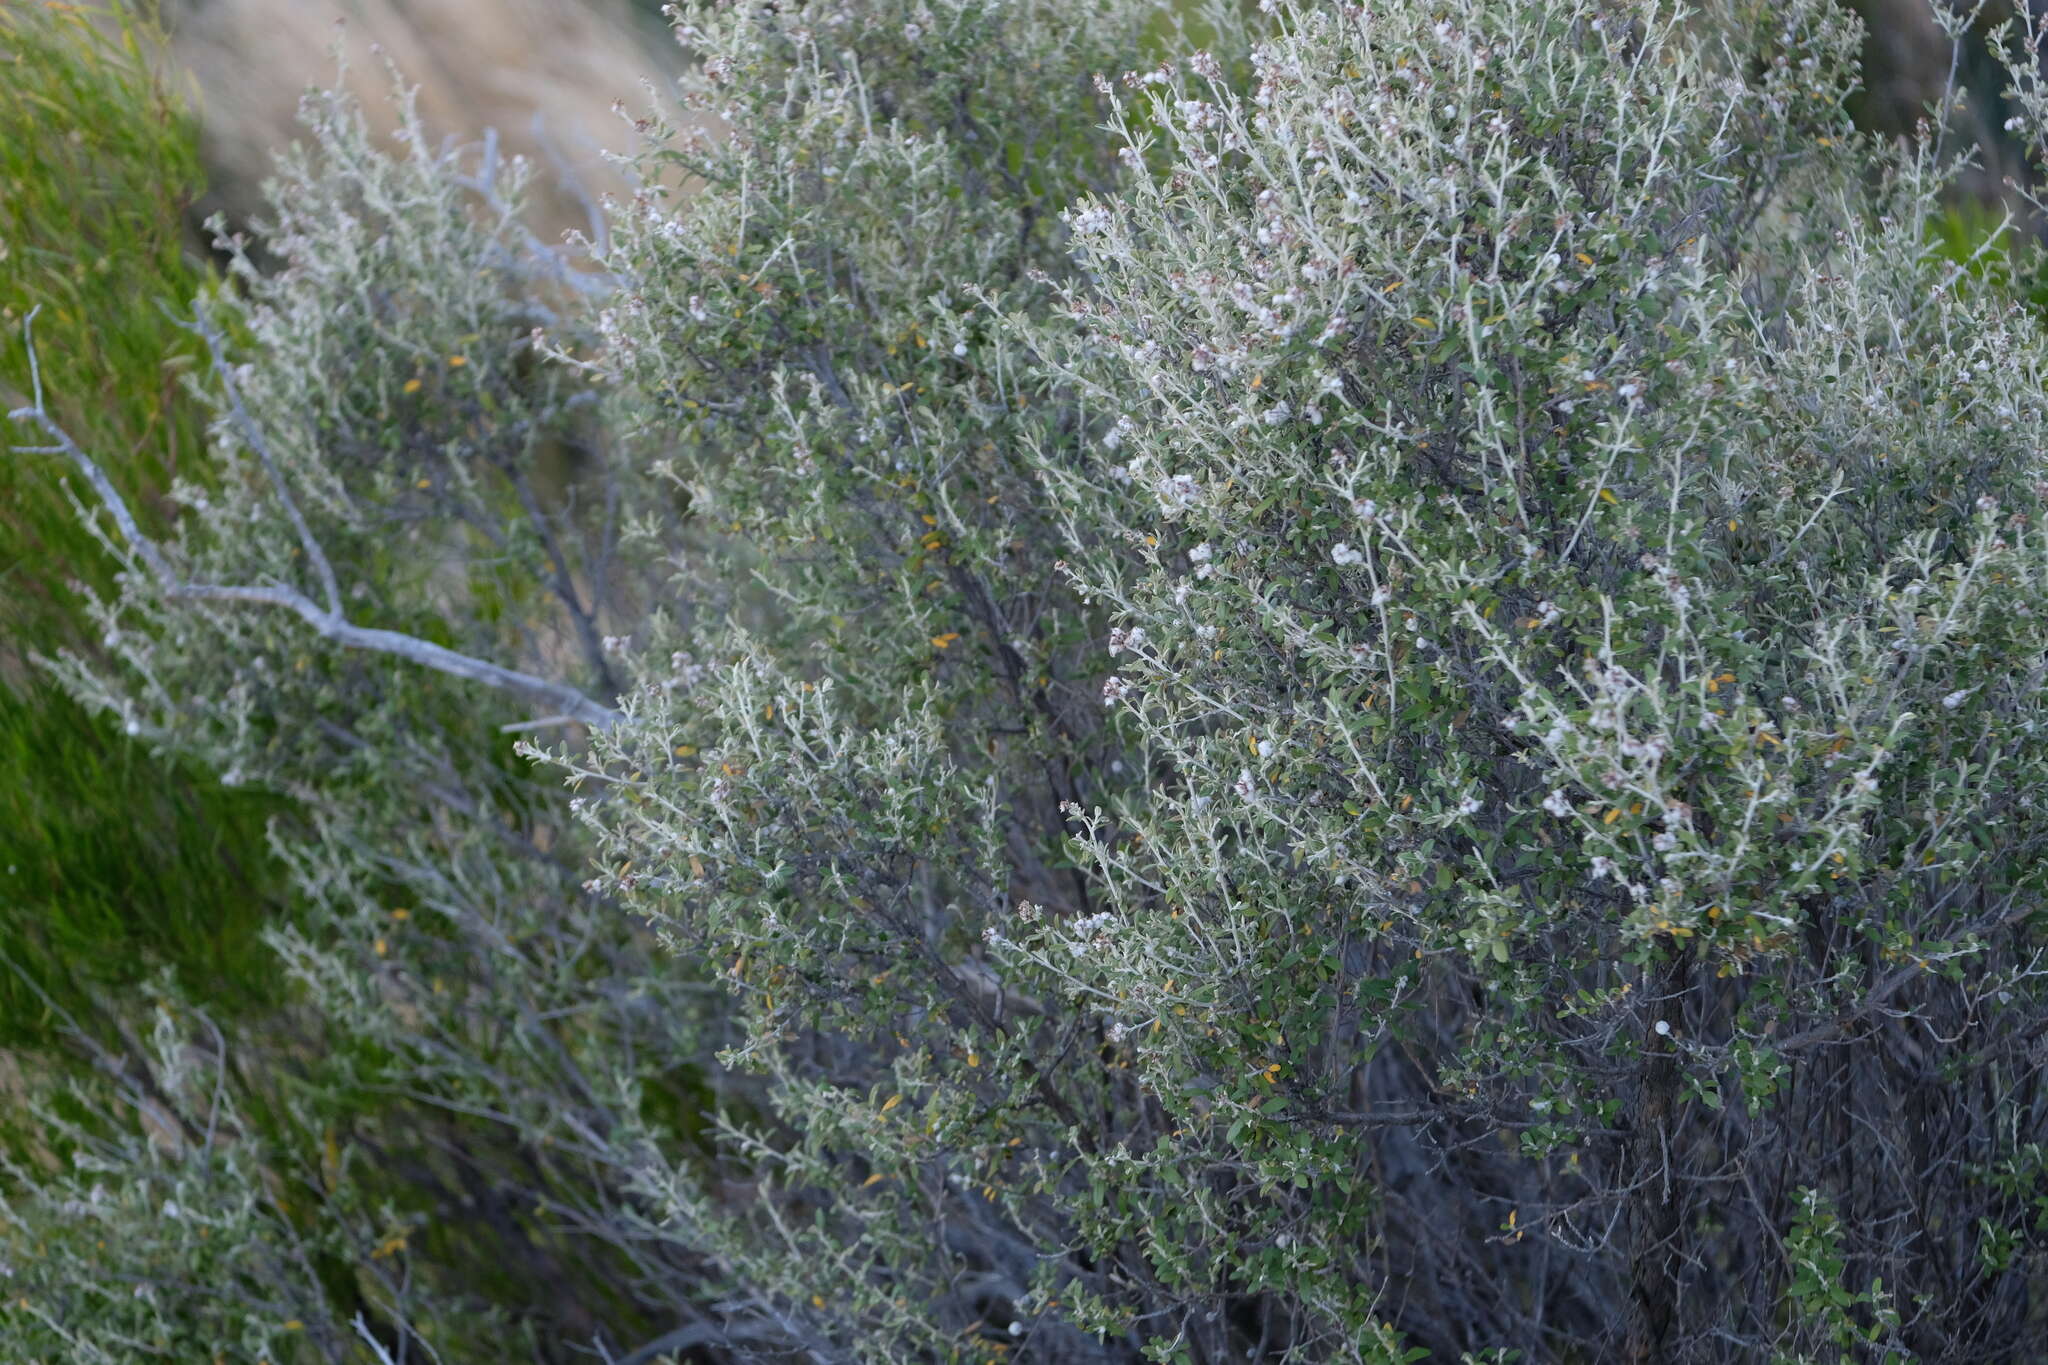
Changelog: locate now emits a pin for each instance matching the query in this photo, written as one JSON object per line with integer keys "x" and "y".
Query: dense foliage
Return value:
{"x": 1333, "y": 682}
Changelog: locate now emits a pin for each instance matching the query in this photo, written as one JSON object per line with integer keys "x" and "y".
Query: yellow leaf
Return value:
{"x": 401, "y": 915}
{"x": 1611, "y": 816}
{"x": 412, "y": 386}
{"x": 456, "y": 362}
{"x": 379, "y": 945}
{"x": 685, "y": 750}
{"x": 945, "y": 641}
{"x": 891, "y": 1103}
{"x": 817, "y": 1301}
{"x": 696, "y": 867}
{"x": 974, "y": 1059}
{"x": 1583, "y": 258}
{"x": 874, "y": 1179}
{"x": 1607, "y": 495}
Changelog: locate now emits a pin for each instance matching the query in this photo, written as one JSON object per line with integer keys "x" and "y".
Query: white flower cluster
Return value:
{"x": 1090, "y": 933}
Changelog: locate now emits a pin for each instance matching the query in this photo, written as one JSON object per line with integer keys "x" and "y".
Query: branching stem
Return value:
{"x": 329, "y": 620}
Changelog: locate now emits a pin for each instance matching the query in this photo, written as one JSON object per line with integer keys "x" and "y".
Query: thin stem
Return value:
{"x": 253, "y": 437}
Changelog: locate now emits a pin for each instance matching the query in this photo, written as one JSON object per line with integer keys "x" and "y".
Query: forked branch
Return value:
{"x": 328, "y": 621}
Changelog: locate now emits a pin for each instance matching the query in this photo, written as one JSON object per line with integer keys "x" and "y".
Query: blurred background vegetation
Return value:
{"x": 114, "y": 864}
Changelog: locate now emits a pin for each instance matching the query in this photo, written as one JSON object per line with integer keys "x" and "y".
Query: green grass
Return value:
{"x": 99, "y": 159}
{"x": 1978, "y": 237}
{"x": 113, "y": 863}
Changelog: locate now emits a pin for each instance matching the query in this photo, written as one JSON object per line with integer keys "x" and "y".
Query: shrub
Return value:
{"x": 1370, "y": 693}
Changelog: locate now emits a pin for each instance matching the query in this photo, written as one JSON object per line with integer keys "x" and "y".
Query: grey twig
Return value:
{"x": 554, "y": 259}
{"x": 328, "y": 621}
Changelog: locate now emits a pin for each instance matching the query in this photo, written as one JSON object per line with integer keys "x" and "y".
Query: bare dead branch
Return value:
{"x": 328, "y": 621}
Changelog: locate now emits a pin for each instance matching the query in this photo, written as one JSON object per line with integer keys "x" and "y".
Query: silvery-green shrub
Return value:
{"x": 1349, "y": 682}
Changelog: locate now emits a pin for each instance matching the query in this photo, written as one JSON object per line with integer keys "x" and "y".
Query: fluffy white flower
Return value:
{"x": 1177, "y": 492}
{"x": 1090, "y": 218}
